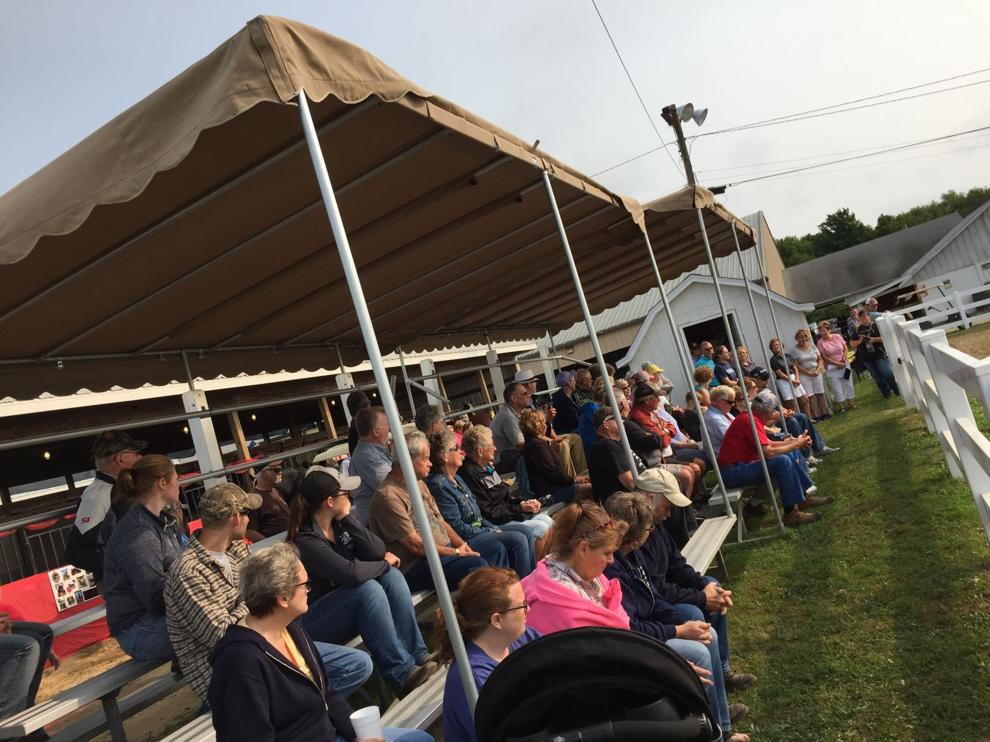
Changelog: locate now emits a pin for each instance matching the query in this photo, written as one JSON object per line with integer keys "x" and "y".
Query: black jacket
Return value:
{"x": 672, "y": 577}
{"x": 648, "y": 612}
{"x": 566, "y": 419}
{"x": 499, "y": 502}
{"x": 355, "y": 557}
{"x": 257, "y": 694}
{"x": 542, "y": 467}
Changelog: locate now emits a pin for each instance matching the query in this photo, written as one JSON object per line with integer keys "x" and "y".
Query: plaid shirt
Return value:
{"x": 200, "y": 603}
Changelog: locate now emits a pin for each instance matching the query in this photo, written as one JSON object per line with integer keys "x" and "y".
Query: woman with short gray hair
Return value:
{"x": 268, "y": 682}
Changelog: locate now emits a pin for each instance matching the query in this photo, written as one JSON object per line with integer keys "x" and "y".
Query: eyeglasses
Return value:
{"x": 274, "y": 469}
{"x": 523, "y": 607}
{"x": 453, "y": 449}
{"x": 308, "y": 584}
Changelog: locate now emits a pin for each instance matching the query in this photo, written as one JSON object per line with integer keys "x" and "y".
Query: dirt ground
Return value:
{"x": 151, "y": 724}
{"x": 975, "y": 341}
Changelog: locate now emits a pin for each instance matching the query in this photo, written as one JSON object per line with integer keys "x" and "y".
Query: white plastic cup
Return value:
{"x": 367, "y": 723}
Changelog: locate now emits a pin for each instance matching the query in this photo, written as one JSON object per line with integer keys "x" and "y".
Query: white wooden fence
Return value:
{"x": 939, "y": 382}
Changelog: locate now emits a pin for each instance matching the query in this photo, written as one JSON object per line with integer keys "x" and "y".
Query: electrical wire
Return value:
{"x": 639, "y": 97}
{"x": 857, "y": 157}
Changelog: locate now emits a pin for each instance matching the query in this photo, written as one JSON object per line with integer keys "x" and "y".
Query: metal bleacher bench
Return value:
{"x": 706, "y": 542}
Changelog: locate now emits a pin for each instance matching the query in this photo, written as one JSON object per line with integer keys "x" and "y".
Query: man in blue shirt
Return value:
{"x": 372, "y": 459}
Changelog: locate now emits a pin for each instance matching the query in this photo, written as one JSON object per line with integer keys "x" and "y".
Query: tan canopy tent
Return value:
{"x": 193, "y": 222}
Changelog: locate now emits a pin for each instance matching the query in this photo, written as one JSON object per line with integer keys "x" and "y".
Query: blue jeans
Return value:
{"x": 883, "y": 375}
{"x": 539, "y": 524}
{"x": 22, "y": 661}
{"x": 381, "y": 611}
{"x": 400, "y": 735}
{"x": 530, "y": 534}
{"x": 147, "y": 639}
{"x": 800, "y": 423}
{"x": 791, "y": 479}
{"x": 563, "y": 492}
{"x": 719, "y": 622}
{"x": 455, "y": 569}
{"x": 347, "y": 669}
{"x": 707, "y": 657}
{"x": 515, "y": 544}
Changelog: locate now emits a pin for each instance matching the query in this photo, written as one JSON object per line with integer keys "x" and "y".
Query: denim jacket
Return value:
{"x": 458, "y": 506}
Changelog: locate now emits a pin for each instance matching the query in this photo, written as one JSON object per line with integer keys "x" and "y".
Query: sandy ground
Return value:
{"x": 975, "y": 340}
{"x": 151, "y": 724}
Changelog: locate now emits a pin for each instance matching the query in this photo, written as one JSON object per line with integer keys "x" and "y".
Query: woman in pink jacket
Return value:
{"x": 567, "y": 588}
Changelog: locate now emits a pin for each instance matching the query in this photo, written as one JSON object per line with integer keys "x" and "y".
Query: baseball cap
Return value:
{"x": 111, "y": 442}
{"x": 345, "y": 483}
{"x": 759, "y": 373}
{"x": 640, "y": 376}
{"x": 662, "y": 482}
{"x": 523, "y": 376}
{"x": 766, "y": 398}
{"x": 564, "y": 377}
{"x": 220, "y": 502}
{"x": 652, "y": 368}
{"x": 601, "y": 415}
{"x": 642, "y": 391}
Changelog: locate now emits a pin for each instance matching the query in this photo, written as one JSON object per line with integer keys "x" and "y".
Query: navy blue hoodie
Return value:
{"x": 648, "y": 613}
{"x": 256, "y": 693}
{"x": 674, "y": 579}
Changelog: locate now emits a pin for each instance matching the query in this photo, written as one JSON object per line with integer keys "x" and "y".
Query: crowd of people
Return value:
{"x": 260, "y": 637}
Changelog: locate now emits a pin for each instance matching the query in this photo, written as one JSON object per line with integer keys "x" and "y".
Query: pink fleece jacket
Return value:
{"x": 553, "y": 607}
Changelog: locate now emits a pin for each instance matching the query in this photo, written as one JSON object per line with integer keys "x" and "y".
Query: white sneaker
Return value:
{"x": 812, "y": 469}
{"x": 829, "y": 449}
{"x": 812, "y": 461}
{"x": 811, "y": 490}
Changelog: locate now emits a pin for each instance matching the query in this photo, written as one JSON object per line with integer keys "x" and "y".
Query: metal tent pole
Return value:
{"x": 589, "y": 323}
{"x": 405, "y": 382}
{"x": 732, "y": 342}
{"x": 683, "y": 354}
{"x": 759, "y": 331}
{"x": 387, "y": 400}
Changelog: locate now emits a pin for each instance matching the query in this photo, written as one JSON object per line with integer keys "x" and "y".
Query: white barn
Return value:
{"x": 697, "y": 312}
{"x": 960, "y": 259}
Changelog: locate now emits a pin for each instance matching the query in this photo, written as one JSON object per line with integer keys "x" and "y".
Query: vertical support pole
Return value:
{"x": 483, "y": 383}
{"x": 732, "y": 342}
{"x": 548, "y": 373}
{"x": 445, "y": 407}
{"x": 773, "y": 314}
{"x": 427, "y": 368}
{"x": 498, "y": 381}
{"x": 328, "y": 422}
{"x": 756, "y": 320}
{"x": 405, "y": 383}
{"x": 237, "y": 430}
{"x": 683, "y": 355}
{"x": 589, "y": 322}
{"x": 204, "y": 436}
{"x": 345, "y": 381}
{"x": 388, "y": 401}
{"x": 553, "y": 348}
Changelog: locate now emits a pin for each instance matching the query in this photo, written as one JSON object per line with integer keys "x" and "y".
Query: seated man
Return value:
{"x": 797, "y": 422}
{"x": 429, "y": 420}
{"x": 202, "y": 597}
{"x": 505, "y": 427}
{"x": 390, "y": 517}
{"x": 608, "y": 464}
{"x": 695, "y": 596}
{"x": 719, "y": 416}
{"x": 740, "y": 462}
{"x": 372, "y": 459}
{"x": 271, "y": 516}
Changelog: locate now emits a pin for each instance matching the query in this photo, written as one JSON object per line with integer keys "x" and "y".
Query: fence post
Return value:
{"x": 891, "y": 331}
{"x": 922, "y": 375}
{"x": 947, "y": 400}
{"x": 962, "y": 310}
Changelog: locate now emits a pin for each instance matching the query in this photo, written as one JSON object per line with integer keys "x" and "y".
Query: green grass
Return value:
{"x": 874, "y": 623}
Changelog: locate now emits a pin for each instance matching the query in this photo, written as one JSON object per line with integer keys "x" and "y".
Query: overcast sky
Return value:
{"x": 545, "y": 69}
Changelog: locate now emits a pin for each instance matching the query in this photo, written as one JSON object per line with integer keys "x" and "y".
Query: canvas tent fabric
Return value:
{"x": 193, "y": 222}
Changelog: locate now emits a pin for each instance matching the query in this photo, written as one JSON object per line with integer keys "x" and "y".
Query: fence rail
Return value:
{"x": 943, "y": 383}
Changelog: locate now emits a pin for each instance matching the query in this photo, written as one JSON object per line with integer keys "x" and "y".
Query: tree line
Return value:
{"x": 842, "y": 229}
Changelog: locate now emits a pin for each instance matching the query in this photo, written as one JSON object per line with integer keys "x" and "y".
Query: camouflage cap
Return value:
{"x": 224, "y": 500}
{"x": 111, "y": 442}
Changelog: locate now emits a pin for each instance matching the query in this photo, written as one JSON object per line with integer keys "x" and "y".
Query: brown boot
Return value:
{"x": 811, "y": 501}
{"x": 797, "y": 518}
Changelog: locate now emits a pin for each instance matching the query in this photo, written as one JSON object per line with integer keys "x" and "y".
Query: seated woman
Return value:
{"x": 695, "y": 640}
{"x": 268, "y": 682}
{"x": 703, "y": 376}
{"x": 545, "y": 476}
{"x": 498, "y": 502}
{"x": 461, "y": 511}
{"x": 725, "y": 372}
{"x": 491, "y": 614}
{"x": 142, "y": 548}
{"x": 355, "y": 589}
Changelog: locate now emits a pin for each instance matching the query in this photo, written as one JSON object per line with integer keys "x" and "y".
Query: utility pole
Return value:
{"x": 670, "y": 115}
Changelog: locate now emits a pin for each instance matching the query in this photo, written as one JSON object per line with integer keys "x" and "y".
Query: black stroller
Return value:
{"x": 594, "y": 685}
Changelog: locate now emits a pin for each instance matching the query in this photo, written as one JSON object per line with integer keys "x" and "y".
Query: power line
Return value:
{"x": 801, "y": 117}
{"x": 635, "y": 90}
{"x": 859, "y": 157}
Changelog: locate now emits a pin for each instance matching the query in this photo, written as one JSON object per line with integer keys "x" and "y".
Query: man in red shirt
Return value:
{"x": 740, "y": 461}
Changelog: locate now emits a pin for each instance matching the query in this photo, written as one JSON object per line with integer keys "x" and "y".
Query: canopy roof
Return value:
{"x": 193, "y": 222}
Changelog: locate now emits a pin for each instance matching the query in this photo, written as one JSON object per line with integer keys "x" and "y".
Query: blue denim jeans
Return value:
{"x": 400, "y": 735}
{"x": 720, "y": 624}
{"x": 883, "y": 375}
{"x": 791, "y": 479}
{"x": 381, "y": 611}
{"x": 347, "y": 669}
{"x": 539, "y": 524}
{"x": 22, "y": 661}
{"x": 707, "y": 657}
{"x": 800, "y": 423}
{"x": 455, "y": 569}
{"x": 147, "y": 639}
{"x": 563, "y": 492}
{"x": 527, "y": 532}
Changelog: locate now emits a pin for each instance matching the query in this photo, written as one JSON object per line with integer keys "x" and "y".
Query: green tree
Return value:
{"x": 841, "y": 229}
